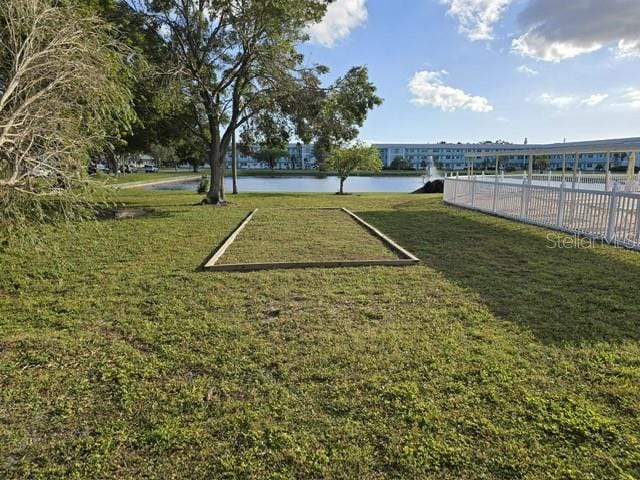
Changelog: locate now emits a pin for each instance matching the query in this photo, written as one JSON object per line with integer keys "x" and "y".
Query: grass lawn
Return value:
{"x": 303, "y": 235}
{"x": 496, "y": 357}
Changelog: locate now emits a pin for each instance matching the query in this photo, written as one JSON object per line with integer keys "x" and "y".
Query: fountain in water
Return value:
{"x": 433, "y": 180}
{"x": 432, "y": 171}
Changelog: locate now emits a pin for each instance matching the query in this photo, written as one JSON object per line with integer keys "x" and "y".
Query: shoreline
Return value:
{"x": 150, "y": 183}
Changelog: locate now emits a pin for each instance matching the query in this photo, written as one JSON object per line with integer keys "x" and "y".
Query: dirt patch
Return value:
{"x": 122, "y": 213}
{"x": 129, "y": 212}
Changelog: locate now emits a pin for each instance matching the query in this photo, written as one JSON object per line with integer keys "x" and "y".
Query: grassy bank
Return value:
{"x": 497, "y": 357}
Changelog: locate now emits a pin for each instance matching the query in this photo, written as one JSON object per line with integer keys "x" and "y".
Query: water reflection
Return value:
{"x": 310, "y": 184}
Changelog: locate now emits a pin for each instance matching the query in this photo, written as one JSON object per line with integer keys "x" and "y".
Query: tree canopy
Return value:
{"x": 65, "y": 90}
{"x": 270, "y": 156}
{"x": 241, "y": 69}
{"x": 400, "y": 163}
{"x": 348, "y": 160}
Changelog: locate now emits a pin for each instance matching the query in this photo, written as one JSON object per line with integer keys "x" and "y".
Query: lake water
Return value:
{"x": 310, "y": 184}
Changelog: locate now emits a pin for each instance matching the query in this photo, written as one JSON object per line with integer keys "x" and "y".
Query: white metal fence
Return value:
{"x": 581, "y": 178}
{"x": 550, "y": 178}
{"x": 613, "y": 216}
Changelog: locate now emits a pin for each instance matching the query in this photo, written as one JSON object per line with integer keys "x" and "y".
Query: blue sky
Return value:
{"x": 472, "y": 70}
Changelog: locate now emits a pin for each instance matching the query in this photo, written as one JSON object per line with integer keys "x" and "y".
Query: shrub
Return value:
{"x": 204, "y": 185}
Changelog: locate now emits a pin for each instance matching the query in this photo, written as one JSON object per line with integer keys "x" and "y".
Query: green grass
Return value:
{"x": 497, "y": 357}
{"x": 304, "y": 235}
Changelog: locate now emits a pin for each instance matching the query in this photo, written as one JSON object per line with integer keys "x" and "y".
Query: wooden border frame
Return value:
{"x": 406, "y": 257}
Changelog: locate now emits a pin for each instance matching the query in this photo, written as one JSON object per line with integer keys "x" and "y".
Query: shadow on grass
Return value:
{"x": 563, "y": 295}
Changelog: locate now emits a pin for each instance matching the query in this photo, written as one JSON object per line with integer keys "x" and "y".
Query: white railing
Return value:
{"x": 581, "y": 178}
{"x": 612, "y": 216}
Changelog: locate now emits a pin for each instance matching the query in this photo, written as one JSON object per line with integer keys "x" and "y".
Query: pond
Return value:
{"x": 310, "y": 184}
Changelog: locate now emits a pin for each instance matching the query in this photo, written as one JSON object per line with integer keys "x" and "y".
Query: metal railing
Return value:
{"x": 612, "y": 216}
{"x": 580, "y": 178}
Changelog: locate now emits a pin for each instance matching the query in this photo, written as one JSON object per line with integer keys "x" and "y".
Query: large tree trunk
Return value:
{"x": 234, "y": 163}
{"x": 342, "y": 186}
{"x": 216, "y": 193}
{"x": 222, "y": 167}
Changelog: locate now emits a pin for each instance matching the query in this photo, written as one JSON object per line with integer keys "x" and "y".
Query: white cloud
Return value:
{"x": 341, "y": 18}
{"x": 563, "y": 102}
{"x": 594, "y": 100}
{"x": 429, "y": 90}
{"x": 631, "y": 98}
{"x": 525, "y": 70}
{"x": 476, "y": 17}
{"x": 559, "y": 30}
{"x": 629, "y": 48}
{"x": 557, "y": 101}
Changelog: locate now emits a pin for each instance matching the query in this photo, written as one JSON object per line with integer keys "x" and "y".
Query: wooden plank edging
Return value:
{"x": 211, "y": 263}
{"x": 386, "y": 240}
{"x": 227, "y": 243}
{"x": 247, "y": 267}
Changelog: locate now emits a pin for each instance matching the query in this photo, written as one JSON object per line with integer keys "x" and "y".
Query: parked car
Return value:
{"x": 130, "y": 169}
{"x": 150, "y": 169}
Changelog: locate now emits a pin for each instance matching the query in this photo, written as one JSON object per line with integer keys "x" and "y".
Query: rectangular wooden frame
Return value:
{"x": 406, "y": 257}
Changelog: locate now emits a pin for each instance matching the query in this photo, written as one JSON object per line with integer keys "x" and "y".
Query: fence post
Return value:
{"x": 473, "y": 191}
{"x": 549, "y": 179}
{"x": 580, "y": 177}
{"x": 637, "y": 241}
{"x": 561, "y": 202}
{"x": 495, "y": 195}
{"x": 455, "y": 189}
{"x": 613, "y": 214}
{"x": 524, "y": 201}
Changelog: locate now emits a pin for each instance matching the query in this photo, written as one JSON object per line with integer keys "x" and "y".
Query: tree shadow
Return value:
{"x": 564, "y": 289}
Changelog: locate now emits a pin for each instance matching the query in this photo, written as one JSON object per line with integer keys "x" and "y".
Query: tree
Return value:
{"x": 164, "y": 155}
{"x": 65, "y": 88}
{"x": 339, "y": 112}
{"x": 154, "y": 90}
{"x": 399, "y": 163}
{"x": 541, "y": 162}
{"x": 235, "y": 57}
{"x": 270, "y": 156}
{"x": 350, "y": 159}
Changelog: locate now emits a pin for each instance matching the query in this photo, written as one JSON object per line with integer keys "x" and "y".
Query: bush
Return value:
{"x": 400, "y": 163}
{"x": 204, "y": 185}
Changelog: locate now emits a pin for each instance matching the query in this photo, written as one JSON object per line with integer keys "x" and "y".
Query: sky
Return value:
{"x": 475, "y": 70}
